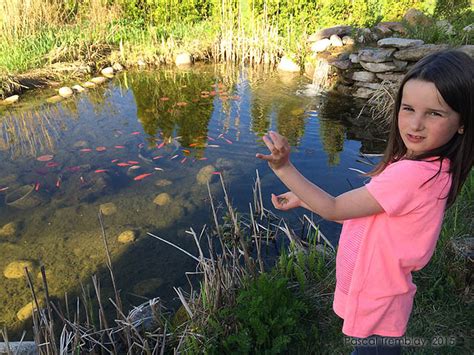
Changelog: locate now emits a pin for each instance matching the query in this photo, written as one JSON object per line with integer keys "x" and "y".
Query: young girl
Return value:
{"x": 391, "y": 225}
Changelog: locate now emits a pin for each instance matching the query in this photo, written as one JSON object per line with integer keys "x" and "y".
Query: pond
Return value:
{"x": 140, "y": 148}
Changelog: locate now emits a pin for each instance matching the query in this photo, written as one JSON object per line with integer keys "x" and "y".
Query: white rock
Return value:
{"x": 321, "y": 45}
{"x": 107, "y": 71}
{"x": 99, "y": 80}
{"x": 11, "y": 99}
{"x": 117, "y": 67}
{"x": 376, "y": 55}
{"x": 446, "y": 26}
{"x": 88, "y": 84}
{"x": 78, "y": 88}
{"x": 65, "y": 92}
{"x": 184, "y": 58}
{"x": 336, "y": 41}
{"x": 354, "y": 57}
{"x": 286, "y": 64}
{"x": 399, "y": 42}
{"x": 348, "y": 41}
{"x": 469, "y": 28}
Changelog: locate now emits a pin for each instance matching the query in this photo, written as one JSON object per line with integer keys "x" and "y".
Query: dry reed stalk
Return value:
{"x": 381, "y": 103}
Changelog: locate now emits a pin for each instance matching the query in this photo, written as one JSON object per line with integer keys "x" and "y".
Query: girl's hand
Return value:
{"x": 279, "y": 148}
{"x": 286, "y": 201}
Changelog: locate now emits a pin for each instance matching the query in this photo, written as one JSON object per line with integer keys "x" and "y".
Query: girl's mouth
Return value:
{"x": 414, "y": 139}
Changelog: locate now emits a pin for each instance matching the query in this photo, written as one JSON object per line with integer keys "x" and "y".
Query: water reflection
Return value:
{"x": 143, "y": 145}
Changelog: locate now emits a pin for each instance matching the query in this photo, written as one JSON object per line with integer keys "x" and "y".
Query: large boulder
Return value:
{"x": 8, "y": 230}
{"x": 416, "y": 53}
{"x": 399, "y": 42}
{"x": 416, "y": 17}
{"x": 328, "y": 32}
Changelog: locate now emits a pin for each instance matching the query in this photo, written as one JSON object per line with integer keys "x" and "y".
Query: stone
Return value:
{"x": 416, "y": 17}
{"x": 348, "y": 41}
{"x": 393, "y": 26}
{"x": 341, "y": 64}
{"x": 89, "y": 85}
{"x": 382, "y": 31}
{"x": 8, "y": 230}
{"x": 98, "y": 80}
{"x": 364, "y": 35}
{"x": 183, "y": 58}
{"x": 147, "y": 316}
{"x": 26, "y": 311}
{"x": 65, "y": 92}
{"x": 363, "y": 76}
{"x": 416, "y": 53}
{"x": 363, "y": 93}
{"x": 11, "y": 99}
{"x": 384, "y": 67}
{"x": 399, "y": 42}
{"x": 19, "y": 348}
{"x": 321, "y": 45}
{"x": 446, "y": 27}
{"x": 469, "y": 28}
{"x": 117, "y": 67}
{"x": 147, "y": 287}
{"x": 54, "y": 99}
{"x": 108, "y": 208}
{"x": 336, "y": 41}
{"x": 344, "y": 90}
{"x": 373, "y": 86}
{"x": 80, "y": 144}
{"x": 163, "y": 183}
{"x": 288, "y": 65}
{"x": 328, "y": 32}
{"x": 205, "y": 174}
{"x": 376, "y": 55}
{"x": 390, "y": 76}
{"x": 141, "y": 63}
{"x": 107, "y": 71}
{"x": 354, "y": 57}
{"x": 127, "y": 237}
{"x": 468, "y": 49}
{"x": 16, "y": 269}
{"x": 162, "y": 199}
{"x": 78, "y": 88}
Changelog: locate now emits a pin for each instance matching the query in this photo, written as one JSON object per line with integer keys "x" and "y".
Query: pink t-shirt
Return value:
{"x": 377, "y": 254}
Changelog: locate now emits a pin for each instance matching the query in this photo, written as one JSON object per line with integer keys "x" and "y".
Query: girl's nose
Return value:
{"x": 417, "y": 122}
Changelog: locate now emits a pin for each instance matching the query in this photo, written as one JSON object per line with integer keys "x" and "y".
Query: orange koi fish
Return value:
{"x": 174, "y": 156}
{"x": 100, "y": 171}
{"x": 86, "y": 150}
{"x": 134, "y": 167}
{"x": 157, "y": 157}
{"x": 164, "y": 98}
{"x": 216, "y": 173}
{"x": 220, "y": 135}
{"x": 46, "y": 157}
{"x": 37, "y": 186}
{"x": 114, "y": 161}
{"x": 161, "y": 145}
{"x": 133, "y": 162}
{"x": 100, "y": 149}
{"x": 235, "y": 97}
{"x": 119, "y": 147}
{"x": 142, "y": 176}
{"x": 204, "y": 158}
{"x": 123, "y": 164}
{"x": 181, "y": 104}
{"x": 183, "y": 160}
{"x": 186, "y": 151}
{"x": 135, "y": 133}
{"x": 193, "y": 144}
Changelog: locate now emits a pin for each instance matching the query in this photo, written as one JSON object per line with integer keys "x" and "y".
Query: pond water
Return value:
{"x": 148, "y": 133}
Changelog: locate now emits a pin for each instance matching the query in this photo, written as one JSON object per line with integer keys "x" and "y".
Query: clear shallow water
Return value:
{"x": 169, "y": 124}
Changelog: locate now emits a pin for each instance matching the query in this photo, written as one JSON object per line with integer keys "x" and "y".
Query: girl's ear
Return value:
{"x": 461, "y": 130}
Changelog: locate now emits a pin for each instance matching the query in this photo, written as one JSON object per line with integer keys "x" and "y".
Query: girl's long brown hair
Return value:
{"x": 452, "y": 72}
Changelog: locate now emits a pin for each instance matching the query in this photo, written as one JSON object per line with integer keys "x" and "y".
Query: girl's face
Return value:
{"x": 425, "y": 120}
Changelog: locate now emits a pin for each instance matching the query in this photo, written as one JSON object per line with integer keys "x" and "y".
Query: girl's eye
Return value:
{"x": 434, "y": 114}
{"x": 407, "y": 109}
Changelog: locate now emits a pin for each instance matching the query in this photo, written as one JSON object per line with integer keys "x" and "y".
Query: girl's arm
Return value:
{"x": 352, "y": 204}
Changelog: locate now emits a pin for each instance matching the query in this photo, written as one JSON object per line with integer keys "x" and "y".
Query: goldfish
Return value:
{"x": 100, "y": 171}
{"x": 204, "y": 158}
{"x": 159, "y": 169}
{"x": 123, "y": 164}
{"x": 220, "y": 135}
{"x": 119, "y": 147}
{"x": 133, "y": 162}
{"x": 213, "y": 145}
{"x": 193, "y": 144}
{"x": 58, "y": 182}
{"x": 4, "y": 188}
{"x": 37, "y": 186}
{"x": 186, "y": 151}
{"x": 174, "y": 156}
{"x": 134, "y": 167}
{"x": 164, "y": 98}
{"x": 228, "y": 140}
{"x": 181, "y": 104}
{"x": 86, "y": 150}
{"x": 114, "y": 161}
{"x": 141, "y": 145}
{"x": 157, "y": 157}
{"x": 100, "y": 149}
{"x": 135, "y": 133}
{"x": 210, "y": 138}
{"x": 82, "y": 180}
{"x": 183, "y": 160}
{"x": 160, "y": 145}
{"x": 142, "y": 176}
{"x": 52, "y": 164}
{"x": 74, "y": 168}
{"x": 46, "y": 157}
{"x": 216, "y": 173}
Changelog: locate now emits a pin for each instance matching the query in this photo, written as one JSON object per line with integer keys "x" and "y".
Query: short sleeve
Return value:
{"x": 395, "y": 189}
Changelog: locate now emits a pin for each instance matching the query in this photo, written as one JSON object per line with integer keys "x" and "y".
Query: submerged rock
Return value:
{"x": 65, "y": 92}
{"x": 147, "y": 287}
{"x": 205, "y": 174}
{"x": 162, "y": 199}
{"x": 127, "y": 237}
{"x": 163, "y": 183}
{"x": 26, "y": 311}
{"x": 16, "y": 269}
{"x": 98, "y": 80}
{"x": 8, "y": 230}
{"x": 108, "y": 208}
{"x": 54, "y": 99}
